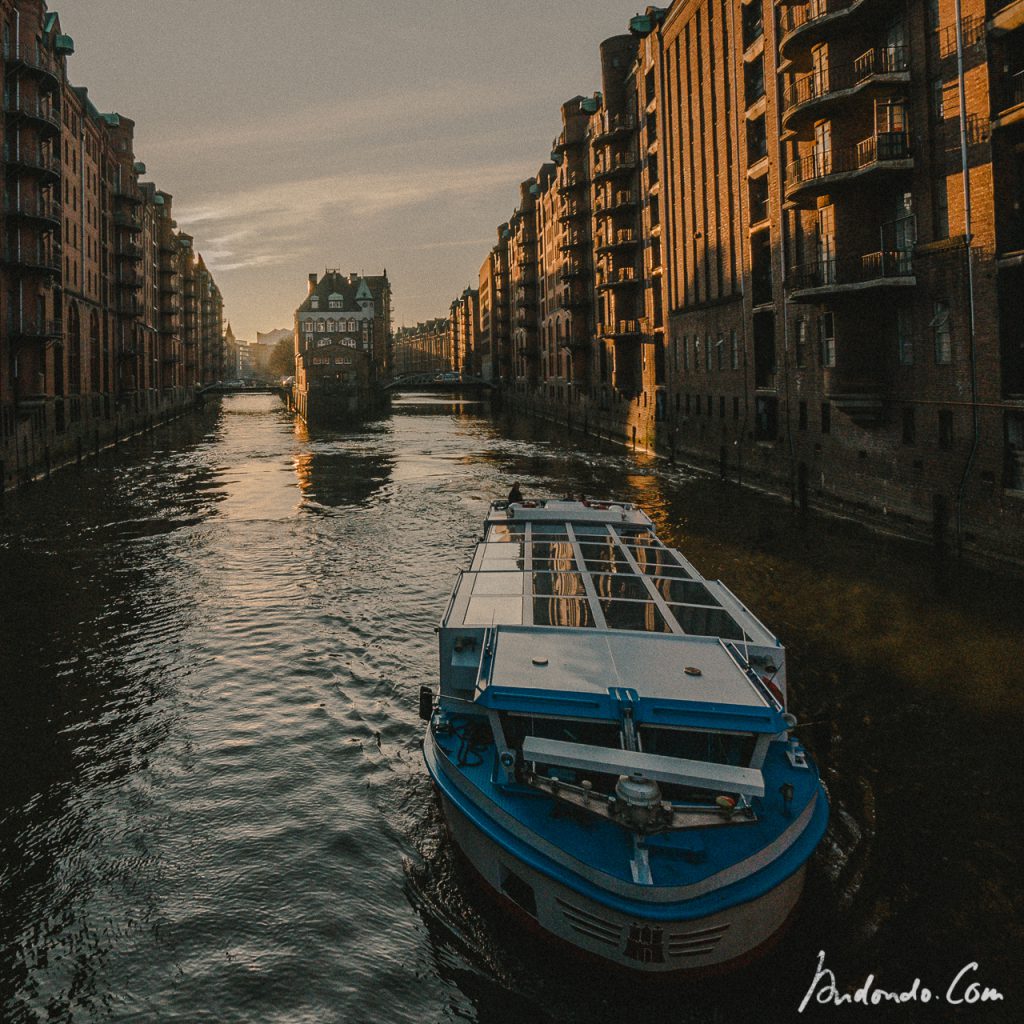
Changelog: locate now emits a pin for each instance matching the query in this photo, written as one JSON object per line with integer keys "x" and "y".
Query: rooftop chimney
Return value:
{"x": 312, "y": 284}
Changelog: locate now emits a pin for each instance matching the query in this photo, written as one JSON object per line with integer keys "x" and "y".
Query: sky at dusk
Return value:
{"x": 296, "y": 135}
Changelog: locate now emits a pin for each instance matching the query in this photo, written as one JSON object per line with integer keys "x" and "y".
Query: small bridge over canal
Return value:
{"x": 241, "y": 388}
{"x": 444, "y": 382}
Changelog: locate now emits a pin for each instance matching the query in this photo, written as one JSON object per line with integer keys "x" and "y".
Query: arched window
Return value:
{"x": 309, "y": 325}
{"x": 332, "y": 325}
{"x": 352, "y": 324}
{"x": 320, "y": 326}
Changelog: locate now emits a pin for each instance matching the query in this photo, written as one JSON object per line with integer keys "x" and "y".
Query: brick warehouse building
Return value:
{"x": 343, "y": 345}
{"x": 788, "y": 274}
{"x": 109, "y": 319}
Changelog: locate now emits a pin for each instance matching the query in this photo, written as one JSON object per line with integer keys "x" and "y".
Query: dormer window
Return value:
{"x": 314, "y": 302}
{"x": 335, "y": 303}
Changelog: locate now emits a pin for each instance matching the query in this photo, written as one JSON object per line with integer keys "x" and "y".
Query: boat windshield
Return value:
{"x": 568, "y": 730}
{"x": 735, "y": 749}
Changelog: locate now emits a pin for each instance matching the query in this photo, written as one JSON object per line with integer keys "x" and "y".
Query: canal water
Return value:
{"x": 213, "y": 805}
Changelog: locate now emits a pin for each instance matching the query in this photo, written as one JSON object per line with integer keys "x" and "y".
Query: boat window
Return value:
{"x": 585, "y": 531}
{"x": 549, "y": 565}
{"x": 597, "y": 558}
{"x": 706, "y": 622}
{"x": 685, "y": 592}
{"x": 715, "y": 747}
{"x": 639, "y": 615}
{"x": 501, "y": 534}
{"x": 554, "y": 531}
{"x": 639, "y": 538}
{"x": 620, "y": 586}
{"x": 568, "y": 730}
{"x": 559, "y": 551}
{"x": 558, "y": 584}
{"x": 659, "y": 563}
{"x": 562, "y": 611}
{"x": 618, "y": 567}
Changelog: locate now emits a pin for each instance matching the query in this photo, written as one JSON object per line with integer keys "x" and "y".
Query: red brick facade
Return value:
{"x": 108, "y": 317}
{"x": 785, "y": 273}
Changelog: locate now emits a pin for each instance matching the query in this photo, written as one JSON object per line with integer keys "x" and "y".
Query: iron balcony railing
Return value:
{"x": 40, "y": 63}
{"x": 23, "y": 106}
{"x": 621, "y": 329}
{"x": 42, "y": 329}
{"x": 1011, "y": 94}
{"x": 28, "y": 258}
{"x": 38, "y": 160}
{"x": 837, "y": 273}
{"x": 620, "y": 165}
{"x": 612, "y": 124}
{"x": 837, "y": 78}
{"x": 35, "y": 209}
{"x": 572, "y": 181}
{"x": 797, "y": 16}
{"x": 880, "y": 148}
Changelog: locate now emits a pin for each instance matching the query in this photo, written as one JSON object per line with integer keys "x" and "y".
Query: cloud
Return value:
{"x": 269, "y": 224}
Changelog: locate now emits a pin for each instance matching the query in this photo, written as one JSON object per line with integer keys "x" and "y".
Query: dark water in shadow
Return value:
{"x": 212, "y": 801}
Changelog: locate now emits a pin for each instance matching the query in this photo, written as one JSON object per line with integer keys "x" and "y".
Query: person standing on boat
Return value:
{"x": 515, "y": 494}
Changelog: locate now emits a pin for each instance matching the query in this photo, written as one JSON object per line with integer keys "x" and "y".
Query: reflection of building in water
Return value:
{"x": 342, "y": 345}
{"x": 342, "y": 477}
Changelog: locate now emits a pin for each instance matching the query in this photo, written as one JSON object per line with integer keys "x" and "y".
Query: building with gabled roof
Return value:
{"x": 342, "y": 341}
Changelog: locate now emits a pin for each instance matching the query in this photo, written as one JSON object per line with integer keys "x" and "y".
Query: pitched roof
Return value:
{"x": 350, "y": 288}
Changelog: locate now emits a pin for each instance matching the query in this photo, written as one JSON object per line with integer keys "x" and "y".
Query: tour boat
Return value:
{"x": 611, "y": 743}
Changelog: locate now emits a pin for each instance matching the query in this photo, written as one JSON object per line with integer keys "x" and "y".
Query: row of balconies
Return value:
{"x": 824, "y": 170}
{"x": 39, "y": 64}
{"x": 572, "y": 211}
{"x": 621, "y": 329}
{"x": 617, "y": 240}
{"x": 617, "y": 277}
{"x": 35, "y": 330}
{"x": 34, "y": 208}
{"x": 832, "y": 276}
{"x": 811, "y": 92}
{"x": 621, "y": 163}
{"x": 573, "y": 180}
{"x": 37, "y": 258}
{"x": 808, "y": 22}
{"x": 31, "y": 159}
{"x": 622, "y": 200}
{"x": 611, "y": 125}
{"x": 25, "y": 108}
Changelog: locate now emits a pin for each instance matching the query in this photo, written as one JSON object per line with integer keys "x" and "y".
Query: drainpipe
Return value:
{"x": 741, "y": 197}
{"x": 975, "y": 417}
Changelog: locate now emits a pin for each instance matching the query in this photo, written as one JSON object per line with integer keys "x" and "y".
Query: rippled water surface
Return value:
{"x": 212, "y": 801}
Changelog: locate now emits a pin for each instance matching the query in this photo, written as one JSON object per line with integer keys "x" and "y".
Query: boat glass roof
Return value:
{"x": 608, "y": 575}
